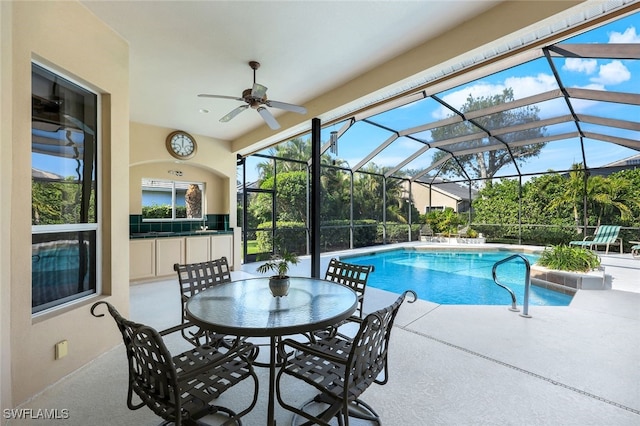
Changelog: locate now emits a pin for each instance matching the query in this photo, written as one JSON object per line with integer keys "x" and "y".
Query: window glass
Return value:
{"x": 64, "y": 190}
{"x": 169, "y": 200}
{"x": 63, "y": 267}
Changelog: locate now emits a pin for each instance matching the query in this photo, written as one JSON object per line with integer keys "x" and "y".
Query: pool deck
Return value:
{"x": 449, "y": 364}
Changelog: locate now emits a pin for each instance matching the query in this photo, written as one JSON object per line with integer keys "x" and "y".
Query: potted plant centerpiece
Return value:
{"x": 279, "y": 264}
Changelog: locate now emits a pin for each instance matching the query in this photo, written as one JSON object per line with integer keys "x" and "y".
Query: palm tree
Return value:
{"x": 573, "y": 194}
{"x": 610, "y": 194}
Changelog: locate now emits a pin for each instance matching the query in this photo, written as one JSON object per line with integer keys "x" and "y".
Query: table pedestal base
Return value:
{"x": 360, "y": 413}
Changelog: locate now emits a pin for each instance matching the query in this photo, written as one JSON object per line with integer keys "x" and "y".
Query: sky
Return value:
{"x": 526, "y": 80}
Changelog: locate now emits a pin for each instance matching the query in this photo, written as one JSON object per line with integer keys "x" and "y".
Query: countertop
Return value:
{"x": 169, "y": 234}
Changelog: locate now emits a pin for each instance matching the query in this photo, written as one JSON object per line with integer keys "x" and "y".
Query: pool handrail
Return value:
{"x": 527, "y": 284}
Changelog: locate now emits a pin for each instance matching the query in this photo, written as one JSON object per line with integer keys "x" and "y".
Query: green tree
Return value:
{"x": 573, "y": 195}
{"x": 294, "y": 149}
{"x": 627, "y": 184}
{"x": 612, "y": 197}
{"x": 335, "y": 198}
{"x": 485, "y": 164}
{"x": 498, "y": 203}
{"x": 291, "y": 198}
{"x": 540, "y": 192}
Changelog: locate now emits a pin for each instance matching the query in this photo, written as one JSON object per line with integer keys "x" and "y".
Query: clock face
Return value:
{"x": 181, "y": 145}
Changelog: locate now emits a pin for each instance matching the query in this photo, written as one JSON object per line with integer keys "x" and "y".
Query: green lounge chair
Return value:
{"x": 605, "y": 235}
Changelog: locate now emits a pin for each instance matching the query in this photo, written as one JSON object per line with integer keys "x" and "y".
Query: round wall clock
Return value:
{"x": 181, "y": 145}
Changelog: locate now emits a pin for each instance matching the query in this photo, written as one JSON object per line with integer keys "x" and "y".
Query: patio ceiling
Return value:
{"x": 576, "y": 101}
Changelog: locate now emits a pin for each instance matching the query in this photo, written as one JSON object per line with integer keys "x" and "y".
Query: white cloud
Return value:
{"x": 587, "y": 66}
{"x": 522, "y": 87}
{"x": 612, "y": 73}
{"x": 628, "y": 36}
{"x": 593, "y": 86}
{"x": 532, "y": 85}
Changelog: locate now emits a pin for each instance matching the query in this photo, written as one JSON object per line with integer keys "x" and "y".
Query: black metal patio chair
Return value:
{"x": 193, "y": 278}
{"x": 180, "y": 388}
{"x": 353, "y": 276}
{"x": 341, "y": 369}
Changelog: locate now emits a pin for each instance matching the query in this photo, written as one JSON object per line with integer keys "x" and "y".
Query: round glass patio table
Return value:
{"x": 247, "y": 308}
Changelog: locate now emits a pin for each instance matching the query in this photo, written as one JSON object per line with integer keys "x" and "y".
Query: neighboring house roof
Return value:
{"x": 624, "y": 164}
{"x": 634, "y": 160}
{"x": 452, "y": 189}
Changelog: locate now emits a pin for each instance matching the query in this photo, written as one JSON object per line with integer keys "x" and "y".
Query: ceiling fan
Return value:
{"x": 256, "y": 98}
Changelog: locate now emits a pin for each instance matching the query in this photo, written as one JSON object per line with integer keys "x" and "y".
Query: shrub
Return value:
{"x": 567, "y": 258}
{"x": 291, "y": 235}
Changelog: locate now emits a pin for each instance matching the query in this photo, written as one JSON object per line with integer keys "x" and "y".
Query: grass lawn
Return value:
{"x": 252, "y": 247}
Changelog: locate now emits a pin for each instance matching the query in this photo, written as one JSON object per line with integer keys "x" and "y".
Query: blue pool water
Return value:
{"x": 455, "y": 278}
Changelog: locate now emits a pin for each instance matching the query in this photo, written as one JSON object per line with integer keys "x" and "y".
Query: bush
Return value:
{"x": 292, "y": 235}
{"x": 398, "y": 232}
{"x": 567, "y": 258}
{"x": 444, "y": 221}
{"x": 163, "y": 211}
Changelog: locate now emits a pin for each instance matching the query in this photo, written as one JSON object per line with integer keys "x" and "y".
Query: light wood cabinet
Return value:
{"x": 222, "y": 245}
{"x": 198, "y": 249}
{"x": 168, "y": 252}
{"x": 142, "y": 259}
{"x": 155, "y": 257}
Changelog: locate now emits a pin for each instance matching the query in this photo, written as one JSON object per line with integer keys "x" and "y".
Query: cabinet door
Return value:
{"x": 168, "y": 252}
{"x": 198, "y": 249}
{"x": 222, "y": 245}
{"x": 142, "y": 259}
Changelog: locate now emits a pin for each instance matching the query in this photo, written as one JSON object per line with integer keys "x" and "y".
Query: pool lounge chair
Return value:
{"x": 426, "y": 233}
{"x": 605, "y": 235}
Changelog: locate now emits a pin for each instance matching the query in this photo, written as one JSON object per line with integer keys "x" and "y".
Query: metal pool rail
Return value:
{"x": 527, "y": 284}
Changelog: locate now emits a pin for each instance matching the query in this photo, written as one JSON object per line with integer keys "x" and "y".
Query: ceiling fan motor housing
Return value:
{"x": 252, "y": 100}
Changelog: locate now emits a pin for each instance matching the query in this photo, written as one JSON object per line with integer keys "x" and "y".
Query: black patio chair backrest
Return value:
{"x": 352, "y": 275}
{"x": 195, "y": 277}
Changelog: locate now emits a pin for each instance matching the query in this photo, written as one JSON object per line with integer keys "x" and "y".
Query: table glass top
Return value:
{"x": 247, "y": 308}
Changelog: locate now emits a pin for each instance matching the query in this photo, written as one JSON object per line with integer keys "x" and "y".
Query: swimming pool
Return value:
{"x": 455, "y": 278}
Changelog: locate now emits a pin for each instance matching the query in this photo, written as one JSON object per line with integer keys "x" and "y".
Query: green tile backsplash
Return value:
{"x": 218, "y": 222}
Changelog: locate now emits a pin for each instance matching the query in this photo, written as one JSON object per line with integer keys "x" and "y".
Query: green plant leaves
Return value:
{"x": 566, "y": 258}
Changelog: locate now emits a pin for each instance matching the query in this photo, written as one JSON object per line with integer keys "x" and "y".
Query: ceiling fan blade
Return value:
{"x": 203, "y": 95}
{"x": 268, "y": 118}
{"x": 287, "y": 107}
{"x": 258, "y": 90}
{"x": 233, "y": 113}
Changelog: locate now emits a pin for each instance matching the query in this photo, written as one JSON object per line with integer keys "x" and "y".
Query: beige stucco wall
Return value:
{"x": 65, "y": 36}
{"x": 5, "y": 208}
{"x": 213, "y": 164}
{"x": 423, "y": 198}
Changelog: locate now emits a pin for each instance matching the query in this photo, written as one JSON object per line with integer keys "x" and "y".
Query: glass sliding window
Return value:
{"x": 64, "y": 190}
{"x": 169, "y": 200}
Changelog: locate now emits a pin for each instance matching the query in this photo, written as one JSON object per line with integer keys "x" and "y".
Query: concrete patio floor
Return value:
{"x": 449, "y": 364}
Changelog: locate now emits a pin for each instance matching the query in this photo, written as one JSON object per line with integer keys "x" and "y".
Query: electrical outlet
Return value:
{"x": 62, "y": 348}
